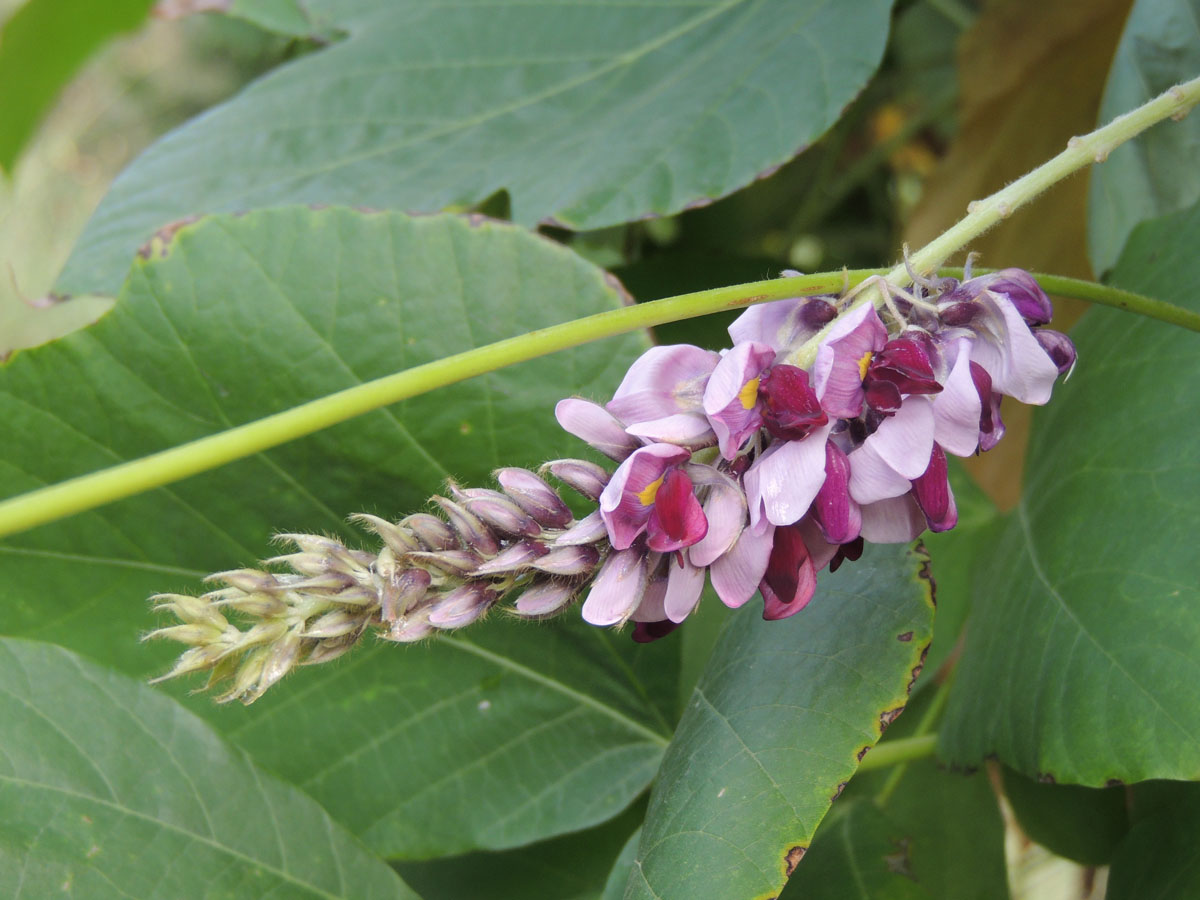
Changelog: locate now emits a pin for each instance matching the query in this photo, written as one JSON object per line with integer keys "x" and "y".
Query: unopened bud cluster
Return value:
{"x": 432, "y": 573}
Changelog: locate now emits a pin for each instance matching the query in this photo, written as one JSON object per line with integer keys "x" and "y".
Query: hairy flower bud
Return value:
{"x": 587, "y": 478}
{"x": 535, "y": 496}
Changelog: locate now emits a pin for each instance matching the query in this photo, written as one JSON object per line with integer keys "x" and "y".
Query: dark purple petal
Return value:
{"x": 1023, "y": 292}
{"x": 677, "y": 520}
{"x": 790, "y": 580}
{"x": 627, "y": 500}
{"x": 991, "y": 426}
{"x": 1059, "y": 347}
{"x": 646, "y": 632}
{"x": 905, "y": 363}
{"x": 851, "y": 551}
{"x": 883, "y": 397}
{"x": 790, "y": 407}
{"x": 834, "y": 509}
{"x": 933, "y": 493}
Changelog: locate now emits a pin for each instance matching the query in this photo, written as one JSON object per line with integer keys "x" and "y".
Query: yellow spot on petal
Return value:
{"x": 749, "y": 394}
{"x": 647, "y": 494}
{"x": 864, "y": 363}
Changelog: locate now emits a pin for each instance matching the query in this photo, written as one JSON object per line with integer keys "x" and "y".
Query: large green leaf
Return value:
{"x": 776, "y": 726}
{"x": 41, "y": 46}
{"x": 110, "y": 790}
{"x": 502, "y": 735}
{"x": 1080, "y": 823}
{"x": 587, "y": 113}
{"x": 1157, "y": 173}
{"x": 1082, "y": 659}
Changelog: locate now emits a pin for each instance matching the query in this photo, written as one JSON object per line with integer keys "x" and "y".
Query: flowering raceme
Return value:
{"x": 826, "y": 425}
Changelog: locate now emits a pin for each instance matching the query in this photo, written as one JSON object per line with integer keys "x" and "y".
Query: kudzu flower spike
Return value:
{"x": 750, "y": 469}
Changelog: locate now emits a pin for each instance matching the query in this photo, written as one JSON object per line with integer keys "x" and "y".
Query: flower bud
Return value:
{"x": 1058, "y": 347}
{"x": 545, "y": 598}
{"x": 574, "y": 560}
{"x": 431, "y": 531}
{"x": 449, "y": 562}
{"x": 513, "y": 559}
{"x": 397, "y": 539}
{"x": 588, "y": 530}
{"x": 474, "y": 534}
{"x": 404, "y": 591}
{"x": 586, "y": 477}
{"x": 502, "y": 513}
{"x": 534, "y": 496}
{"x": 462, "y": 606}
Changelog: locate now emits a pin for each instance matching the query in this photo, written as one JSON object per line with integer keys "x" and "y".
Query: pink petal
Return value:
{"x": 731, "y": 397}
{"x": 834, "y": 508}
{"x": 663, "y": 381}
{"x": 685, "y": 583}
{"x": 780, "y": 324}
{"x": 735, "y": 576}
{"x": 894, "y": 521}
{"x": 933, "y": 493}
{"x": 592, "y": 423}
{"x": 617, "y": 590}
{"x": 897, "y": 451}
{"x": 691, "y": 430}
{"x": 725, "y": 510}
{"x": 1011, "y": 354}
{"x": 957, "y": 408}
{"x": 820, "y": 549}
{"x": 786, "y": 478}
{"x": 652, "y": 608}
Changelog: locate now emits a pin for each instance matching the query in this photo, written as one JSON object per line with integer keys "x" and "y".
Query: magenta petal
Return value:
{"x": 617, "y": 590}
{"x": 894, "y": 521}
{"x": 725, "y": 510}
{"x": 622, "y": 502}
{"x": 735, "y": 576}
{"x": 1058, "y": 347}
{"x": 731, "y": 397}
{"x": 956, "y": 410}
{"x": 834, "y": 509}
{"x": 787, "y": 478}
{"x": 820, "y": 550}
{"x": 685, "y": 583}
{"x": 934, "y": 495}
{"x": 991, "y": 426}
{"x": 592, "y": 423}
{"x": 663, "y": 381}
{"x": 1022, "y": 290}
{"x": 790, "y": 580}
{"x": 838, "y": 370}
{"x": 791, "y": 410}
{"x": 677, "y": 519}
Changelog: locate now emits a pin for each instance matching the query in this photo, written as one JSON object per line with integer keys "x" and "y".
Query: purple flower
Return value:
{"x": 933, "y": 494}
{"x": 618, "y": 588}
{"x": 843, "y": 359}
{"x": 896, "y": 453}
{"x": 593, "y": 424}
{"x": 660, "y": 398}
{"x": 731, "y": 399}
{"x": 650, "y": 493}
{"x": 902, "y": 367}
{"x": 784, "y": 481}
{"x": 1058, "y": 347}
{"x": 1009, "y": 352}
{"x": 957, "y": 410}
{"x": 782, "y": 324}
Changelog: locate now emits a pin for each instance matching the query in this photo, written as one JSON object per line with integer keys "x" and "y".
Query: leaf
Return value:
{"x": 590, "y": 114}
{"x": 614, "y": 888}
{"x": 572, "y": 867}
{"x": 1156, "y": 173}
{"x": 858, "y": 855}
{"x": 1082, "y": 660}
{"x": 777, "y": 726}
{"x": 41, "y": 47}
{"x": 108, "y": 789}
{"x": 1083, "y": 824}
{"x": 1160, "y": 859}
{"x": 503, "y": 735}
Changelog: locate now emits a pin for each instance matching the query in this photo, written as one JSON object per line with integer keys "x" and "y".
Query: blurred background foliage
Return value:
{"x": 970, "y": 95}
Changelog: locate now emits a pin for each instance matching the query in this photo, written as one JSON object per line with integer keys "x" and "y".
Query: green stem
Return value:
{"x": 924, "y": 727}
{"x": 899, "y": 751}
{"x": 90, "y": 491}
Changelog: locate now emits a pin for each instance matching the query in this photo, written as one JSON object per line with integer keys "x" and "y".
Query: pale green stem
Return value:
{"x": 90, "y": 491}
{"x": 924, "y": 727}
{"x": 901, "y": 750}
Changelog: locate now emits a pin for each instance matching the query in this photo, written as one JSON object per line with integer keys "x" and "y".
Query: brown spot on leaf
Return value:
{"x": 792, "y": 859}
{"x": 925, "y": 573}
{"x": 905, "y": 637}
{"x": 157, "y": 245}
{"x": 887, "y": 717}
{"x": 837, "y": 793}
{"x": 1114, "y": 782}
{"x": 863, "y": 752}
{"x": 1046, "y": 778}
{"x": 898, "y": 862}
{"x": 916, "y": 672}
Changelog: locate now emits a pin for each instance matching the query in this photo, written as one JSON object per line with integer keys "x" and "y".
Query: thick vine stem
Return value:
{"x": 86, "y": 492}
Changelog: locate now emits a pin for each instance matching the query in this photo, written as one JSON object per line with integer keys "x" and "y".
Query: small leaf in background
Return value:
{"x": 1080, "y": 823}
{"x": 110, "y": 790}
{"x": 1082, "y": 658}
{"x": 1160, "y": 859}
{"x": 1156, "y": 173}
{"x": 421, "y": 107}
{"x": 41, "y": 46}
{"x": 230, "y": 319}
{"x": 776, "y": 727}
